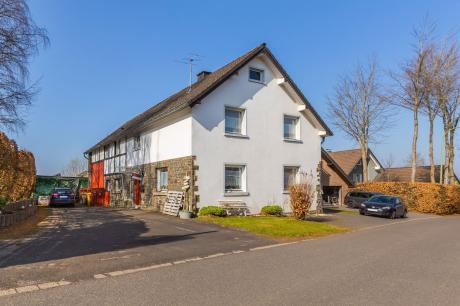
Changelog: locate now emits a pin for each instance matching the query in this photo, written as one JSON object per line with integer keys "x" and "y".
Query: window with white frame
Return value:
{"x": 291, "y": 128}
{"x": 137, "y": 143}
{"x": 256, "y": 75}
{"x": 235, "y": 178}
{"x": 290, "y": 176}
{"x": 162, "y": 179}
{"x": 235, "y": 121}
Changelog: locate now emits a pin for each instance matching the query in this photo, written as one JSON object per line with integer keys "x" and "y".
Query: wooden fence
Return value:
{"x": 17, "y": 212}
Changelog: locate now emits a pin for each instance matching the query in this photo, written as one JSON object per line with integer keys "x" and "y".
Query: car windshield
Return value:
{"x": 381, "y": 199}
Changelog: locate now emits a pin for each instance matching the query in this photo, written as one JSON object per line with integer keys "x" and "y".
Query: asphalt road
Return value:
{"x": 413, "y": 262}
{"x": 76, "y": 243}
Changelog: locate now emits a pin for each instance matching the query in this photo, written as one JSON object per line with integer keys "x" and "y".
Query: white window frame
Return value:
{"x": 159, "y": 187}
{"x": 242, "y": 111}
{"x": 262, "y": 75}
{"x": 137, "y": 143}
{"x": 297, "y": 128}
{"x": 243, "y": 180}
{"x": 296, "y": 179}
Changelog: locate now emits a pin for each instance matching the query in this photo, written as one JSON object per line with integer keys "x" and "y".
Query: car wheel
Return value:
{"x": 393, "y": 214}
{"x": 404, "y": 215}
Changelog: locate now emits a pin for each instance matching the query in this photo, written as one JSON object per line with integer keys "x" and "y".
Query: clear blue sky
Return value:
{"x": 110, "y": 60}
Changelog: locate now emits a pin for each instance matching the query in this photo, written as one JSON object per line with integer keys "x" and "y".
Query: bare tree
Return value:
{"x": 389, "y": 161}
{"x": 20, "y": 39}
{"x": 447, "y": 95}
{"x": 430, "y": 106}
{"x": 359, "y": 109}
{"x": 75, "y": 167}
{"x": 411, "y": 89}
{"x": 419, "y": 160}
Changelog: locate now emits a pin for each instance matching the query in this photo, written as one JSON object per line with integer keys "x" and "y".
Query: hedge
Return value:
{"x": 422, "y": 197}
{"x": 272, "y": 210}
{"x": 17, "y": 170}
{"x": 212, "y": 211}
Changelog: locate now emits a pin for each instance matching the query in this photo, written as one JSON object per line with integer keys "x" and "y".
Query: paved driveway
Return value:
{"x": 77, "y": 243}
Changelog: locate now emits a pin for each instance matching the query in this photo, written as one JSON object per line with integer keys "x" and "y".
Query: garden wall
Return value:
{"x": 16, "y": 212}
{"x": 422, "y": 197}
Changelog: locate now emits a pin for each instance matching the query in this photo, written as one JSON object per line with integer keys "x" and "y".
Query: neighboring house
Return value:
{"x": 403, "y": 174}
{"x": 351, "y": 163}
{"x": 239, "y": 134}
{"x": 334, "y": 182}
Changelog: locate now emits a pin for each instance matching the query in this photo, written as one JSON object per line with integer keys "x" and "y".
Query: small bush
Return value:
{"x": 302, "y": 195}
{"x": 212, "y": 211}
{"x": 272, "y": 210}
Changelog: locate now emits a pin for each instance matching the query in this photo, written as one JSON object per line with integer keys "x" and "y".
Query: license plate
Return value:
{"x": 63, "y": 197}
{"x": 372, "y": 209}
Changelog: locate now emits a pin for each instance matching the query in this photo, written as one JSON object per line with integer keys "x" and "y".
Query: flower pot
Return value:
{"x": 185, "y": 214}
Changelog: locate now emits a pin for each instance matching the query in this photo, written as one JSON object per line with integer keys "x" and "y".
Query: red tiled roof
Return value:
{"x": 347, "y": 159}
{"x": 403, "y": 174}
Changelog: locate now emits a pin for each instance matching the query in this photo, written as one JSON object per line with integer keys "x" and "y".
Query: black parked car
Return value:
{"x": 62, "y": 196}
{"x": 383, "y": 205}
{"x": 354, "y": 199}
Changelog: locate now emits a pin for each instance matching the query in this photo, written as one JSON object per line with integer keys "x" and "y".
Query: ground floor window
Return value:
{"x": 290, "y": 174}
{"x": 162, "y": 179}
{"x": 235, "y": 178}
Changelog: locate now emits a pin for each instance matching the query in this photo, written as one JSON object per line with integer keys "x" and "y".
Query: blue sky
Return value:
{"x": 110, "y": 60}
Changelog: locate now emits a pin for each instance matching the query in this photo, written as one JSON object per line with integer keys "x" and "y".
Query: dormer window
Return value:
{"x": 256, "y": 75}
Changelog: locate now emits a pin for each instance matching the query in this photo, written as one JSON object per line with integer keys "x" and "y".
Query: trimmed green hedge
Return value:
{"x": 212, "y": 211}
{"x": 272, "y": 210}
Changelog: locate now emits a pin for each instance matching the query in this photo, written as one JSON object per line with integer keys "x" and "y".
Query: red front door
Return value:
{"x": 137, "y": 193}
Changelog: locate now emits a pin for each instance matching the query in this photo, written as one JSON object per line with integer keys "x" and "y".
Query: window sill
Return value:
{"x": 292, "y": 140}
{"x": 236, "y": 135}
{"x": 236, "y": 194}
{"x": 258, "y": 82}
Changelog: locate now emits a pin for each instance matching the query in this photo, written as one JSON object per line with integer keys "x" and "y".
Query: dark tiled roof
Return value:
{"x": 186, "y": 98}
{"x": 403, "y": 174}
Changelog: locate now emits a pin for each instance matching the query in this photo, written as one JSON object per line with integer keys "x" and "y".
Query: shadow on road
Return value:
{"x": 87, "y": 232}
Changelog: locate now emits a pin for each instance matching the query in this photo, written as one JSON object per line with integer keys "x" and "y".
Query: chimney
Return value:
{"x": 201, "y": 75}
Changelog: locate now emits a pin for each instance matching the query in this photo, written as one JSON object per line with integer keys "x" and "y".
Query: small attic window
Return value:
{"x": 256, "y": 75}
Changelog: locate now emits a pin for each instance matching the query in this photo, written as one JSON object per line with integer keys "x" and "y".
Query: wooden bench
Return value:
{"x": 234, "y": 208}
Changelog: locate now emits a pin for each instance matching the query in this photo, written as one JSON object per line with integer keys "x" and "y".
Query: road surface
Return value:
{"x": 414, "y": 262}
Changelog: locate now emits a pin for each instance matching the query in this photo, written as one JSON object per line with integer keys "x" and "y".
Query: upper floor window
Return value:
{"x": 137, "y": 143}
{"x": 256, "y": 75}
{"x": 234, "y": 121}
{"x": 291, "y": 128}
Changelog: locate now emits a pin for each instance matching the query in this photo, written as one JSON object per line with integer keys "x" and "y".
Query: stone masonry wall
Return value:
{"x": 177, "y": 168}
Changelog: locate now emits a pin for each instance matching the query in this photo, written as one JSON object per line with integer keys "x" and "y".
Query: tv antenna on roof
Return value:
{"x": 190, "y": 61}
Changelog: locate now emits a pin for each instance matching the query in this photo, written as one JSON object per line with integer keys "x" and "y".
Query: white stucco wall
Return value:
{"x": 264, "y": 152}
{"x": 171, "y": 138}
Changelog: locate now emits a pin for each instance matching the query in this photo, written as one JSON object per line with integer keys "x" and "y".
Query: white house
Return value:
{"x": 239, "y": 134}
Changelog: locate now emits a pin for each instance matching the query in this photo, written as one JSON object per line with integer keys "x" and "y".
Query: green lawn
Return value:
{"x": 277, "y": 227}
